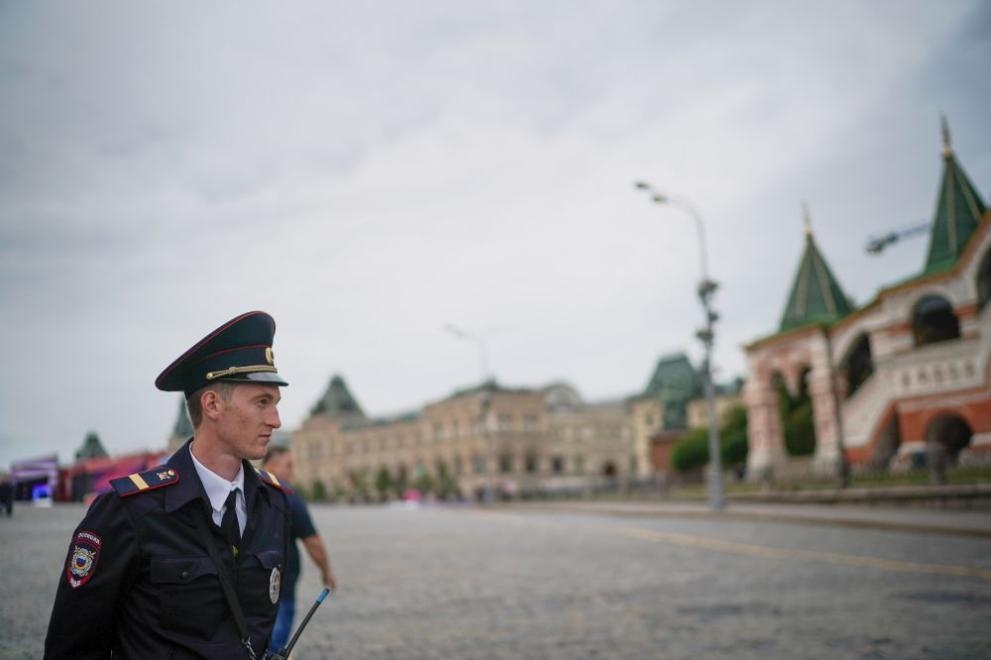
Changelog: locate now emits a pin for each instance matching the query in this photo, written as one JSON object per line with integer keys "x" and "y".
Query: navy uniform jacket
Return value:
{"x": 138, "y": 582}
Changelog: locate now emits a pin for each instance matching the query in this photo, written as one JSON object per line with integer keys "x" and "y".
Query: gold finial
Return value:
{"x": 947, "y": 147}
{"x": 808, "y": 219}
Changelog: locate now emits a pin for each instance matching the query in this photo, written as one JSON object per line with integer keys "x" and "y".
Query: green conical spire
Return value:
{"x": 337, "y": 401}
{"x": 816, "y": 296}
{"x": 91, "y": 448}
{"x": 958, "y": 212}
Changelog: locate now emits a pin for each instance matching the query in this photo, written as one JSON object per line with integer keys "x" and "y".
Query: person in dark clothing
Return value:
{"x": 185, "y": 560}
{"x": 7, "y": 497}
{"x": 278, "y": 462}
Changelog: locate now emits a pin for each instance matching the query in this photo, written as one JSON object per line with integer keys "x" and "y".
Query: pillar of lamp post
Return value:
{"x": 483, "y": 358}
{"x": 485, "y": 406}
{"x": 707, "y": 335}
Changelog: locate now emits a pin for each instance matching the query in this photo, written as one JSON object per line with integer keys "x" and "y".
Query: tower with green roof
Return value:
{"x": 338, "y": 402}
{"x": 816, "y": 296}
{"x": 958, "y": 212}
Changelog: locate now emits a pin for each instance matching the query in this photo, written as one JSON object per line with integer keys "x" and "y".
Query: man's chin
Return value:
{"x": 258, "y": 450}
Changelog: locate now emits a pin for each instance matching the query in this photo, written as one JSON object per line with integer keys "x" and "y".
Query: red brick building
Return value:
{"x": 907, "y": 375}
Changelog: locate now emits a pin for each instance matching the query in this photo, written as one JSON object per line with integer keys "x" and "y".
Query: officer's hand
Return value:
{"x": 328, "y": 580}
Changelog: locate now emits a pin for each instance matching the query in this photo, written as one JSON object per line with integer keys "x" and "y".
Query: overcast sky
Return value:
{"x": 369, "y": 172}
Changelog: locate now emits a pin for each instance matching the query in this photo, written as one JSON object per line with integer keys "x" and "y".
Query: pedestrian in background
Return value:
{"x": 7, "y": 497}
{"x": 279, "y": 463}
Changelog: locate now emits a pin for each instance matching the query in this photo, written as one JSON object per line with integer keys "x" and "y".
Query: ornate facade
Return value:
{"x": 512, "y": 440}
{"x": 906, "y": 376}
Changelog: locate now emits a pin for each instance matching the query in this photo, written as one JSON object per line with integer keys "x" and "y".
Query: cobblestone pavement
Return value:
{"x": 504, "y": 583}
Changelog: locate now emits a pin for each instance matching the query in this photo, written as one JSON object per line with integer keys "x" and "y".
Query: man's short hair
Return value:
{"x": 273, "y": 452}
{"x": 224, "y": 389}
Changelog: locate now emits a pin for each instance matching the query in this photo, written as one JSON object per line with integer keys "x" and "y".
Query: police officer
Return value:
{"x": 185, "y": 560}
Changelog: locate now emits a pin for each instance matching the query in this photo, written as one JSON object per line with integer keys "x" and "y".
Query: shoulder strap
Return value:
{"x": 140, "y": 482}
{"x": 270, "y": 479}
{"x": 225, "y": 584}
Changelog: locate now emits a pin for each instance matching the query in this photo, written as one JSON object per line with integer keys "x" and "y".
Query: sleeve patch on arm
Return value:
{"x": 84, "y": 558}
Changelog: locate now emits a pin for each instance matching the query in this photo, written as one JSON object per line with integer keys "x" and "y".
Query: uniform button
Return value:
{"x": 184, "y": 575}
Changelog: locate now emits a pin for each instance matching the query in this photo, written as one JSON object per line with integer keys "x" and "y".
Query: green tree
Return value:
{"x": 796, "y": 416}
{"x": 692, "y": 450}
{"x": 360, "y": 486}
{"x": 319, "y": 491}
{"x": 733, "y": 437}
{"x": 401, "y": 483}
{"x": 383, "y": 482}
{"x": 424, "y": 483}
{"x": 800, "y": 435}
{"x": 445, "y": 485}
{"x": 338, "y": 493}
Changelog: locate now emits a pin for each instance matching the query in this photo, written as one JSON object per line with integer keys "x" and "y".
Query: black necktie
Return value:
{"x": 228, "y": 524}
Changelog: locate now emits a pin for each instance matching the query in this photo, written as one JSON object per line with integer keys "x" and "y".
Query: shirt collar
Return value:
{"x": 217, "y": 488}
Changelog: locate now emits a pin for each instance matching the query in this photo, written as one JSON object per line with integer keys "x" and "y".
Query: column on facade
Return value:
{"x": 824, "y": 414}
{"x": 765, "y": 436}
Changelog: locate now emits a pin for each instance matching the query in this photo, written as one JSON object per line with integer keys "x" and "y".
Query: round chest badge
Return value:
{"x": 274, "y": 582}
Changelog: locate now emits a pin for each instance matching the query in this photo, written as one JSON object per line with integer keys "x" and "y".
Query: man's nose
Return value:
{"x": 273, "y": 418}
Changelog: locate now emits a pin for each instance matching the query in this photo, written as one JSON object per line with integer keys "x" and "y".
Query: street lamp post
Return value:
{"x": 707, "y": 335}
{"x": 483, "y": 358}
{"x": 485, "y": 406}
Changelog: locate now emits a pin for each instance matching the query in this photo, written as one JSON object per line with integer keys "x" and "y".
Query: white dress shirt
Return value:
{"x": 217, "y": 489}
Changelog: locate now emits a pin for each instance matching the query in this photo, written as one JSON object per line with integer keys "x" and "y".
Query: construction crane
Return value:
{"x": 877, "y": 244}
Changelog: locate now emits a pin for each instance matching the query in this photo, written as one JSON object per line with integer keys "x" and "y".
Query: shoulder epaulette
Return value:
{"x": 270, "y": 479}
{"x": 140, "y": 482}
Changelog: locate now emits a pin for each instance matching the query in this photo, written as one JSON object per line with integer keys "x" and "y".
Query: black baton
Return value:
{"x": 284, "y": 653}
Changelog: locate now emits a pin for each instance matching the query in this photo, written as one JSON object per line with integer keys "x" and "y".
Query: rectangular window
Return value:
{"x": 557, "y": 464}
{"x": 579, "y": 464}
{"x": 505, "y": 463}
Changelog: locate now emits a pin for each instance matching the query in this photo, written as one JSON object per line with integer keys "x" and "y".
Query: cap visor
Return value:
{"x": 260, "y": 377}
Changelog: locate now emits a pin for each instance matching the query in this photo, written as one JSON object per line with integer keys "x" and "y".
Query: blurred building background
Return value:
{"x": 901, "y": 382}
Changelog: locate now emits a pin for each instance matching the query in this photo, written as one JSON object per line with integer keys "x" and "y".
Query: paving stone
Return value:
{"x": 484, "y": 584}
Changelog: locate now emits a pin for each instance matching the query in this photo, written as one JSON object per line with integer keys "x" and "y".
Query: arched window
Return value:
{"x": 858, "y": 365}
{"x": 934, "y": 321}
{"x": 984, "y": 281}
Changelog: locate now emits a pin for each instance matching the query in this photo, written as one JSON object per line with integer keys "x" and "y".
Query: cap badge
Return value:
{"x": 269, "y": 356}
{"x": 274, "y": 582}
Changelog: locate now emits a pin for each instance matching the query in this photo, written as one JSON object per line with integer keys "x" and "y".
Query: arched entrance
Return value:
{"x": 796, "y": 415}
{"x": 952, "y": 433}
{"x": 946, "y": 436}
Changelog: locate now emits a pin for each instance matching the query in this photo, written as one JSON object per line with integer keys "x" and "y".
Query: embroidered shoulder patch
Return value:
{"x": 84, "y": 558}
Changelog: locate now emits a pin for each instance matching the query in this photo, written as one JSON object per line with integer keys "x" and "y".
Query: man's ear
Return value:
{"x": 212, "y": 404}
